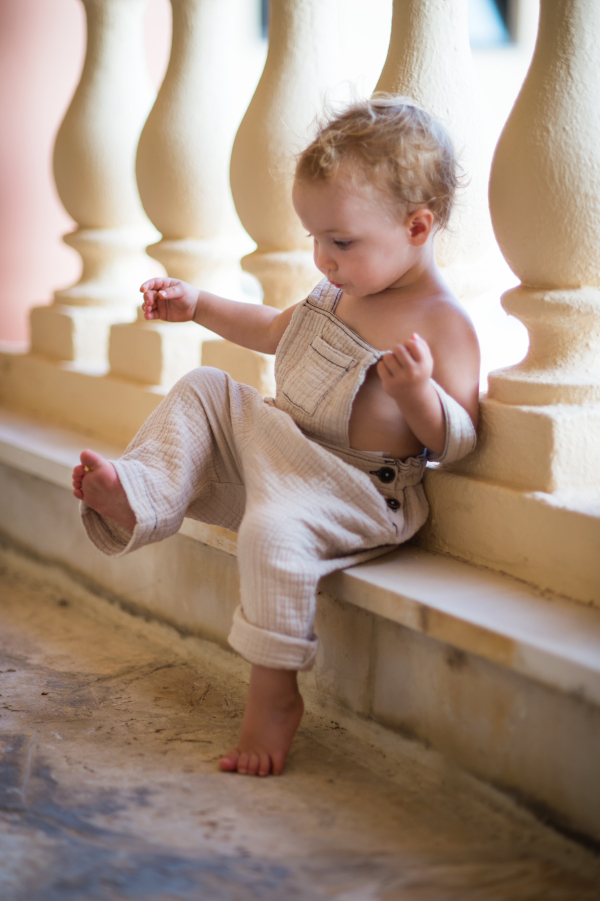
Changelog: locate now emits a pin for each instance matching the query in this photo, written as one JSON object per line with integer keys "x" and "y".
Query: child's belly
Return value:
{"x": 376, "y": 423}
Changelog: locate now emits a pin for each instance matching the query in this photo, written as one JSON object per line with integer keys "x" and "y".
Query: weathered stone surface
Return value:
{"x": 110, "y": 731}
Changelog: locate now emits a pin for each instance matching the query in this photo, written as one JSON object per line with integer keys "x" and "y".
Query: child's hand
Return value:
{"x": 405, "y": 371}
{"x": 169, "y": 299}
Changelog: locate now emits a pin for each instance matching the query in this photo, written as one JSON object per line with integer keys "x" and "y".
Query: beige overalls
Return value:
{"x": 280, "y": 472}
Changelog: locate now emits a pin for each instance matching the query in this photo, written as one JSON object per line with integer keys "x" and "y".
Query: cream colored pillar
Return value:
{"x": 530, "y": 504}
{"x": 94, "y": 171}
{"x": 301, "y": 65}
{"x": 183, "y": 178}
{"x": 429, "y": 59}
{"x": 545, "y": 202}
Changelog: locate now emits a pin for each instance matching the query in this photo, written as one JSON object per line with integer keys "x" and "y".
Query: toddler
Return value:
{"x": 377, "y": 371}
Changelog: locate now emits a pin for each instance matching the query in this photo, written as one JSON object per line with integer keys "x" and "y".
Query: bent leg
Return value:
{"x": 285, "y": 546}
{"x": 289, "y": 538}
{"x": 183, "y": 460}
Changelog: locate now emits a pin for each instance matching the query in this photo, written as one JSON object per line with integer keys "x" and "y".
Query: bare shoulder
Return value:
{"x": 449, "y": 326}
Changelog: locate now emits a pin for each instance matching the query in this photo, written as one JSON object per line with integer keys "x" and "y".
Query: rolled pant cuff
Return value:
{"x": 108, "y": 536}
{"x": 264, "y": 648}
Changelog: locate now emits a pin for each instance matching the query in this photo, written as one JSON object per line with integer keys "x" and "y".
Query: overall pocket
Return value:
{"x": 314, "y": 376}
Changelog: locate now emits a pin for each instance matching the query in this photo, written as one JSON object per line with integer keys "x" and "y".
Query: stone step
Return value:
{"x": 501, "y": 677}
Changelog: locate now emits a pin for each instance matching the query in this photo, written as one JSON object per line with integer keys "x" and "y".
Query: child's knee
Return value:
{"x": 200, "y": 378}
{"x": 272, "y": 535}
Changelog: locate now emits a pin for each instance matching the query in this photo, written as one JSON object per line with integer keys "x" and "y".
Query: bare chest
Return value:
{"x": 383, "y": 325}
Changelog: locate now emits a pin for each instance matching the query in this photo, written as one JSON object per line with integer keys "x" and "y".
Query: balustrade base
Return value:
{"x": 85, "y": 398}
{"x": 531, "y": 448}
{"x": 77, "y": 334}
{"x": 518, "y": 385}
{"x": 548, "y": 540}
{"x": 561, "y": 366}
{"x": 155, "y": 353}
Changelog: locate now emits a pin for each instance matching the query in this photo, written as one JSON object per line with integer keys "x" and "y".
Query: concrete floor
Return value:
{"x": 110, "y": 730}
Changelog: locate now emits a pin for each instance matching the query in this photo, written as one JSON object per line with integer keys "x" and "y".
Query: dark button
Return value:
{"x": 392, "y": 503}
{"x": 385, "y": 474}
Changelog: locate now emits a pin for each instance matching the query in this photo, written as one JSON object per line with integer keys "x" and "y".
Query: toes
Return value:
{"x": 78, "y": 493}
{"x": 278, "y": 761}
{"x": 91, "y": 460}
{"x": 229, "y": 763}
{"x": 253, "y": 764}
{"x": 264, "y": 767}
{"x": 243, "y": 762}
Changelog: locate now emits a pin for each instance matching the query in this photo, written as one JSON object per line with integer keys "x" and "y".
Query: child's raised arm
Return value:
{"x": 406, "y": 372}
{"x": 251, "y": 325}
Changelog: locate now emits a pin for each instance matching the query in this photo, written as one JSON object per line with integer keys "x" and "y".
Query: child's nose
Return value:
{"x": 323, "y": 260}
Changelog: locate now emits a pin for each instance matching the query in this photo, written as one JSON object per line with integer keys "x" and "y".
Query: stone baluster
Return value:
{"x": 183, "y": 178}
{"x": 542, "y": 417}
{"x": 300, "y": 67}
{"x": 526, "y": 501}
{"x": 429, "y": 60}
{"x": 94, "y": 170}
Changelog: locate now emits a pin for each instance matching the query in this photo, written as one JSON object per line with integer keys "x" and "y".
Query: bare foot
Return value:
{"x": 273, "y": 712}
{"x": 96, "y": 482}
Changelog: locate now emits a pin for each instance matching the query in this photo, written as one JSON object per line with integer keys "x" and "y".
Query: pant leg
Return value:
{"x": 308, "y": 513}
{"x": 183, "y": 461}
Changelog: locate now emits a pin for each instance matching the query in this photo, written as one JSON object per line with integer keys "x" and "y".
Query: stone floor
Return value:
{"x": 110, "y": 730}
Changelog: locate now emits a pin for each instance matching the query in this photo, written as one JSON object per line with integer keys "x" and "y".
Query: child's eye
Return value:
{"x": 343, "y": 245}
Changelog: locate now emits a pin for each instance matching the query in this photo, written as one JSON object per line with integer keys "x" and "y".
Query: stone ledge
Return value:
{"x": 541, "y": 636}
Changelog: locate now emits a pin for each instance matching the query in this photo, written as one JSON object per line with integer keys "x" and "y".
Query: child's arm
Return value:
{"x": 406, "y": 374}
{"x": 251, "y": 325}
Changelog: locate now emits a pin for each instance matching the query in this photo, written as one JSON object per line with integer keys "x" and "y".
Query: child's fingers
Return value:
{"x": 153, "y": 284}
{"x": 149, "y": 305}
{"x": 159, "y": 284}
{"x": 389, "y": 364}
{"x": 413, "y": 349}
{"x": 168, "y": 293}
{"x": 403, "y": 356}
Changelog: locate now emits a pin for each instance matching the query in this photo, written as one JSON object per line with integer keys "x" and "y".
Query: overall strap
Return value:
{"x": 325, "y": 295}
{"x": 461, "y": 437}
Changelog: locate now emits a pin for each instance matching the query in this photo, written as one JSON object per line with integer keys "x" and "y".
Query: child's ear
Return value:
{"x": 420, "y": 225}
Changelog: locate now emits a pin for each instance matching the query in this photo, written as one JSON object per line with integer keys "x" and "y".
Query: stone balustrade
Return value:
{"x": 538, "y": 450}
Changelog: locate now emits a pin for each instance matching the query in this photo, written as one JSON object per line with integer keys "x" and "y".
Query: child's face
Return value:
{"x": 359, "y": 244}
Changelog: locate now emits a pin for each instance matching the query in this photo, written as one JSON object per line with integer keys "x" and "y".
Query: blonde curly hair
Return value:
{"x": 391, "y": 142}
